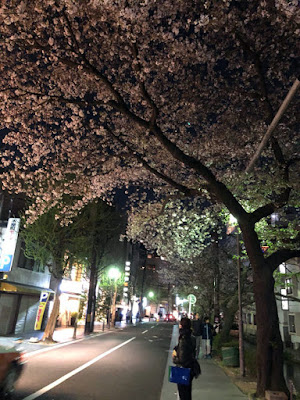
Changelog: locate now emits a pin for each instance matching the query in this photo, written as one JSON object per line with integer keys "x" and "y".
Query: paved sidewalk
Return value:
{"x": 212, "y": 384}
{"x": 62, "y": 334}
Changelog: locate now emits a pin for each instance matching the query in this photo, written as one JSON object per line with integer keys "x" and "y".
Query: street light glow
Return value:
{"x": 151, "y": 294}
{"x": 114, "y": 273}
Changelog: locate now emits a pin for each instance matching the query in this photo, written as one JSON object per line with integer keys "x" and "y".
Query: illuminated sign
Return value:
{"x": 40, "y": 312}
{"x": 9, "y": 244}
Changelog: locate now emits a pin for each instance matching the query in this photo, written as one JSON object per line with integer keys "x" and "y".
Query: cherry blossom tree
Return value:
{"x": 174, "y": 97}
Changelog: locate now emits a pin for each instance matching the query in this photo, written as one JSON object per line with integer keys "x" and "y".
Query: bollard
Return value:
{"x": 103, "y": 327}
{"x": 75, "y": 329}
{"x": 272, "y": 395}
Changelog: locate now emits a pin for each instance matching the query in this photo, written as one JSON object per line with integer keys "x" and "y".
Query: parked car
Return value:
{"x": 169, "y": 318}
{"x": 11, "y": 366}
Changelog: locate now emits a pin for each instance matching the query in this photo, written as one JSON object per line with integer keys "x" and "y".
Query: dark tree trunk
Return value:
{"x": 91, "y": 296}
{"x": 269, "y": 343}
{"x": 215, "y": 247}
{"x": 229, "y": 314}
{"x": 91, "y": 303}
{"x": 93, "y": 314}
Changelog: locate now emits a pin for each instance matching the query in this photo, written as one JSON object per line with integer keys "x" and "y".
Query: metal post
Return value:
{"x": 241, "y": 338}
{"x": 75, "y": 329}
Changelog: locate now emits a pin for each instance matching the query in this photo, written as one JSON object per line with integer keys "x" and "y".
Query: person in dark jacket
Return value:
{"x": 207, "y": 336}
{"x": 197, "y": 332}
{"x": 184, "y": 355}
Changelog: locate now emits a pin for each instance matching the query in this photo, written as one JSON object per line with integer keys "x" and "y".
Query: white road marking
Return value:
{"x": 145, "y": 331}
{"x": 74, "y": 372}
{"x": 152, "y": 326}
{"x": 57, "y": 346}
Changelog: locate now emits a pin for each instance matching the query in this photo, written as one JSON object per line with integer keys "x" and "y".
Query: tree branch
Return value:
{"x": 217, "y": 188}
{"x": 187, "y": 191}
{"x": 280, "y": 256}
{"x": 144, "y": 91}
{"x": 287, "y": 297}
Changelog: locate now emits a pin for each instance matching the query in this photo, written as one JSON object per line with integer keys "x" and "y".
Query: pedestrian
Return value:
{"x": 197, "y": 332}
{"x": 207, "y": 335}
{"x": 184, "y": 355}
{"x": 128, "y": 317}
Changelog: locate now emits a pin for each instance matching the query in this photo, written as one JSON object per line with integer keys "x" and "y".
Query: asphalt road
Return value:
{"x": 125, "y": 364}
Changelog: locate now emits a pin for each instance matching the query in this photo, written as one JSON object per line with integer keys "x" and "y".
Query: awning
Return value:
{"x": 12, "y": 287}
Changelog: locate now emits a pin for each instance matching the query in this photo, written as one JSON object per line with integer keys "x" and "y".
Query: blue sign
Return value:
{"x": 6, "y": 262}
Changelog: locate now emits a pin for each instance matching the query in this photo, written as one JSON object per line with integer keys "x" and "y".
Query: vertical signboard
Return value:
{"x": 40, "y": 312}
{"x": 9, "y": 244}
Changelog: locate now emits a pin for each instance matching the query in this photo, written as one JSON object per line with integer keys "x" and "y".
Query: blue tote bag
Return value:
{"x": 180, "y": 375}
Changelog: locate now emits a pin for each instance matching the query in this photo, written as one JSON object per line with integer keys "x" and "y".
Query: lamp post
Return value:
{"x": 233, "y": 221}
{"x": 150, "y": 295}
{"x": 113, "y": 275}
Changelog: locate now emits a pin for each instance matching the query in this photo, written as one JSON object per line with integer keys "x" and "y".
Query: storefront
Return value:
{"x": 19, "y": 305}
{"x": 69, "y": 301}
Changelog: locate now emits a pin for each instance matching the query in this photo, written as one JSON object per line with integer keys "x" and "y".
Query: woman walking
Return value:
{"x": 184, "y": 355}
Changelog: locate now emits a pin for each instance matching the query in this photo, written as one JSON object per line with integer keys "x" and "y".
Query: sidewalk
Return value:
{"x": 62, "y": 334}
{"x": 212, "y": 384}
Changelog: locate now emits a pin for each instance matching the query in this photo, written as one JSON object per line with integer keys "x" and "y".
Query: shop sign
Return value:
{"x": 9, "y": 244}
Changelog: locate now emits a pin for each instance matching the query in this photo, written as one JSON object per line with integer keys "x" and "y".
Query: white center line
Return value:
{"x": 74, "y": 372}
{"x": 145, "y": 331}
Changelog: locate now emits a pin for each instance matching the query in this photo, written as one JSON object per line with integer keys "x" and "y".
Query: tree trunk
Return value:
{"x": 91, "y": 303}
{"x": 91, "y": 296}
{"x": 215, "y": 248}
{"x": 229, "y": 315}
{"x": 51, "y": 323}
{"x": 269, "y": 343}
{"x": 113, "y": 309}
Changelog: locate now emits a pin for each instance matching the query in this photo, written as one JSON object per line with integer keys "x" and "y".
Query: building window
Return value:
{"x": 244, "y": 318}
{"x": 289, "y": 286}
{"x": 284, "y": 300}
{"x": 292, "y": 326}
{"x": 25, "y": 262}
{"x": 249, "y": 319}
{"x": 282, "y": 268}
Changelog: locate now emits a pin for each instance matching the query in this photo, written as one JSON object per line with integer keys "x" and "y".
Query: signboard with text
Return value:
{"x": 9, "y": 244}
{"x": 40, "y": 312}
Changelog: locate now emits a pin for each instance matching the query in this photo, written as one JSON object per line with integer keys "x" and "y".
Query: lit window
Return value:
{"x": 292, "y": 324}
{"x": 284, "y": 301}
{"x": 282, "y": 268}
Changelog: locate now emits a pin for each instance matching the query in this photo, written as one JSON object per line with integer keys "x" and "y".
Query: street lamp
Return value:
{"x": 113, "y": 275}
{"x": 233, "y": 221}
{"x": 151, "y": 295}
